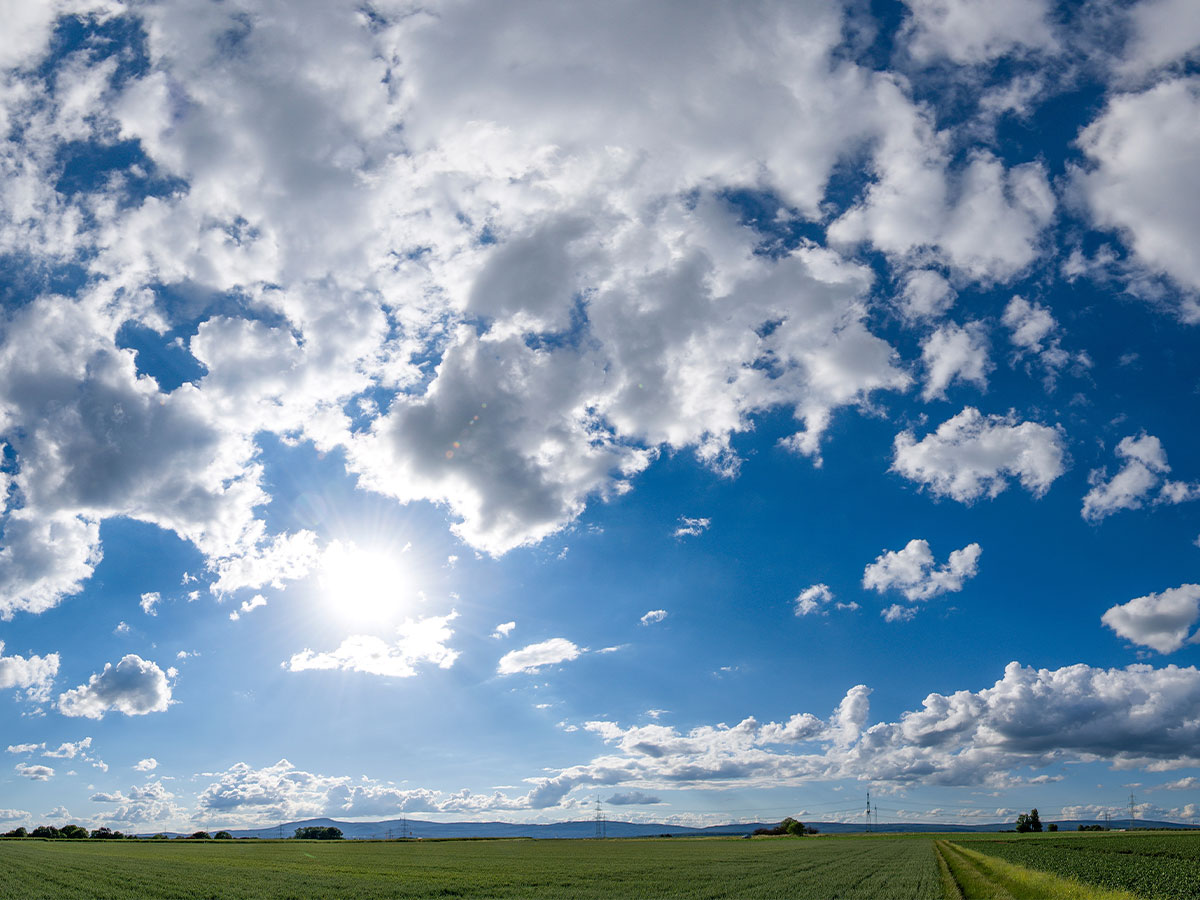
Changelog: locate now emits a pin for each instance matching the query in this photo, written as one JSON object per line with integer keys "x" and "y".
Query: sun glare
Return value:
{"x": 366, "y": 584}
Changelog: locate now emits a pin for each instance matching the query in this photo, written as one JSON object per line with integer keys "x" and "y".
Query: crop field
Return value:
{"x": 1155, "y": 866}
{"x": 685, "y": 868}
{"x": 915, "y": 867}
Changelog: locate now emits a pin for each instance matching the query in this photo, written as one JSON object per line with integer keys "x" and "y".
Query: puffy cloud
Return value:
{"x": 149, "y": 764}
{"x": 34, "y": 773}
{"x": 953, "y": 354}
{"x": 534, "y": 656}
{"x": 972, "y": 455}
{"x": 33, "y": 674}
{"x": 149, "y": 601}
{"x": 912, "y": 571}
{"x": 812, "y": 598}
{"x": 14, "y": 815}
{"x": 1163, "y": 32}
{"x": 689, "y": 527}
{"x": 1141, "y": 182}
{"x": 1145, "y": 468}
{"x": 69, "y": 750}
{"x": 134, "y": 687}
{"x": 1160, "y": 621}
{"x": 503, "y": 630}
{"x": 653, "y": 617}
{"x": 248, "y": 606}
{"x": 149, "y": 802}
{"x": 281, "y": 791}
{"x": 419, "y": 641}
{"x": 1032, "y": 330}
{"x": 977, "y": 31}
{"x": 926, "y": 295}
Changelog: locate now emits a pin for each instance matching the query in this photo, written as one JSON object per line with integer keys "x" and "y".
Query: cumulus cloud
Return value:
{"x": 248, "y": 606}
{"x": 926, "y": 295}
{"x": 971, "y": 455}
{"x": 914, "y": 573}
{"x": 1144, "y": 469}
{"x": 134, "y": 687}
{"x": 653, "y": 616}
{"x": 953, "y": 354}
{"x": 1159, "y": 621}
{"x": 812, "y": 598}
{"x": 34, "y": 773}
{"x": 977, "y": 31}
{"x": 1140, "y": 182}
{"x": 148, "y": 764}
{"x": 149, "y": 802}
{"x": 33, "y": 674}
{"x": 534, "y": 656}
{"x": 149, "y": 601}
{"x": 419, "y": 641}
{"x": 503, "y": 630}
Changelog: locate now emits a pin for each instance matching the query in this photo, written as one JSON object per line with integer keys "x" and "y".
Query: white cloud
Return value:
{"x": 24, "y": 748}
{"x": 898, "y": 613}
{"x": 953, "y": 354}
{"x": 914, "y": 573}
{"x": 149, "y": 802}
{"x": 972, "y": 455}
{"x": 1159, "y": 621}
{"x": 33, "y": 674}
{"x": 34, "y": 773}
{"x": 534, "y": 656}
{"x": 812, "y": 598}
{"x": 1141, "y": 181}
{"x": 1144, "y": 469}
{"x": 69, "y": 750}
{"x": 977, "y": 31}
{"x": 1033, "y": 331}
{"x": 248, "y": 606}
{"x": 653, "y": 616}
{"x": 14, "y": 815}
{"x": 926, "y": 295}
{"x": 148, "y": 764}
{"x": 503, "y": 630}
{"x": 419, "y": 641}
{"x": 691, "y": 527}
{"x": 134, "y": 687}
{"x": 1163, "y": 32}
{"x": 149, "y": 601}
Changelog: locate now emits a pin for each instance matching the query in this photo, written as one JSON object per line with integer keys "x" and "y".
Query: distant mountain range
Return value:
{"x": 417, "y": 828}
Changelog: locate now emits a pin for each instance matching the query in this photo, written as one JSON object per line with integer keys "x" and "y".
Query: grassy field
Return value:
{"x": 914, "y": 867}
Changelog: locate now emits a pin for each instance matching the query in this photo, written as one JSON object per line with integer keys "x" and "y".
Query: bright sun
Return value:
{"x": 364, "y": 584}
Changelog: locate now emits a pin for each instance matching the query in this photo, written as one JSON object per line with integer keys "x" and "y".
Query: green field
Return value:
{"x": 904, "y": 866}
{"x": 1157, "y": 865}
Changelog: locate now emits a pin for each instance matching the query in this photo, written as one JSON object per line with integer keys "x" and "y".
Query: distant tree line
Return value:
{"x": 318, "y": 833}
{"x": 105, "y": 833}
{"x": 787, "y": 826}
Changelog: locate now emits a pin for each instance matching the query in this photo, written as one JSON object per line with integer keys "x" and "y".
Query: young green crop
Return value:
{"x": 800, "y": 868}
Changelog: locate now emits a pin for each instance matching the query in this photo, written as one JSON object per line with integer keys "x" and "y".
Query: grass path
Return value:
{"x": 969, "y": 875}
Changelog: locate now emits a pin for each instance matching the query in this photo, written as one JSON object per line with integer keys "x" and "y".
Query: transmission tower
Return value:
{"x": 601, "y": 824}
{"x": 1131, "y": 802}
{"x": 868, "y": 810}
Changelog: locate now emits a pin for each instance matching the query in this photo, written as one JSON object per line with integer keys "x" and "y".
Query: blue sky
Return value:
{"x": 466, "y": 411}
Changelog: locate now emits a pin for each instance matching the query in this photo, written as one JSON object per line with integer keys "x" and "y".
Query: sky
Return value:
{"x": 472, "y": 411}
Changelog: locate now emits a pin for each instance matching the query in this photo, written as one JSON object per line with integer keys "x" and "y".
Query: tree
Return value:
{"x": 201, "y": 836}
{"x": 1027, "y": 822}
{"x": 1053, "y": 826}
{"x": 222, "y": 836}
{"x": 17, "y": 832}
{"x": 72, "y": 831}
{"x": 317, "y": 833}
{"x": 45, "y": 831}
